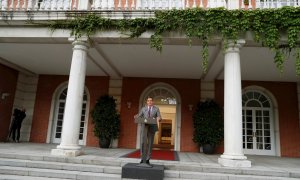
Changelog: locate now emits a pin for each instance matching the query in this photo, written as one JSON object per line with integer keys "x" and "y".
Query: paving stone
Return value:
{"x": 97, "y": 176}
{"x": 44, "y": 165}
{"x": 265, "y": 172}
{"x": 112, "y": 170}
{"x": 171, "y": 174}
{"x": 13, "y": 171}
{"x": 13, "y": 162}
{"x": 16, "y": 177}
{"x": 208, "y": 176}
{"x": 53, "y": 173}
{"x": 295, "y": 174}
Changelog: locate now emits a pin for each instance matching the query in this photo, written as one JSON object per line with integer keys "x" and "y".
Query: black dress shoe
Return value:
{"x": 147, "y": 161}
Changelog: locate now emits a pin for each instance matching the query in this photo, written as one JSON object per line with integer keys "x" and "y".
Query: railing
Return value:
{"x": 65, "y": 5}
{"x": 155, "y": 4}
{"x": 37, "y": 5}
{"x": 56, "y": 5}
{"x": 268, "y": 4}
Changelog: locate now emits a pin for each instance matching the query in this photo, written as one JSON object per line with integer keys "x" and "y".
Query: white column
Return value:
{"x": 233, "y": 155}
{"x": 233, "y": 4}
{"x": 71, "y": 123}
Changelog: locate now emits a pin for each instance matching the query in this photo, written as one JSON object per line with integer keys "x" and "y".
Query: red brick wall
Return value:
{"x": 8, "y": 84}
{"x": 287, "y": 100}
{"x": 47, "y": 85}
{"x": 189, "y": 91}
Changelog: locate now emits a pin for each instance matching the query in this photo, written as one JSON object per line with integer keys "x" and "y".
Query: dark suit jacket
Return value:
{"x": 18, "y": 118}
{"x": 155, "y": 112}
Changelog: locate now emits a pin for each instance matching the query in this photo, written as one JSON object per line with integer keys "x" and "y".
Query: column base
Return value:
{"x": 66, "y": 152}
{"x": 234, "y": 162}
{"x": 234, "y": 156}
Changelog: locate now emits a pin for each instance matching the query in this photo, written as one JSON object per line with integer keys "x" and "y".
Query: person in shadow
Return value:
{"x": 18, "y": 118}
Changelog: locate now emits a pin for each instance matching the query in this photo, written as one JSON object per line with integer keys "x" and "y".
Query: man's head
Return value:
{"x": 149, "y": 101}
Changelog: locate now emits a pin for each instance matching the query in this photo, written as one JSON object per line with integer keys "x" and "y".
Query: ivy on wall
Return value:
{"x": 269, "y": 26}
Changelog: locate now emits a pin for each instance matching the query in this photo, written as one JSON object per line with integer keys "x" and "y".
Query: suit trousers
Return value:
{"x": 146, "y": 140}
{"x": 16, "y": 129}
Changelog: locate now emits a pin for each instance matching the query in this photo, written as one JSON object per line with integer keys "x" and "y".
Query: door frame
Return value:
{"x": 175, "y": 93}
{"x": 274, "y": 111}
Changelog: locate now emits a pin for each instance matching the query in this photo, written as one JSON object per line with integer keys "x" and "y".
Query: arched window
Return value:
{"x": 162, "y": 96}
{"x": 59, "y": 114}
{"x": 255, "y": 99}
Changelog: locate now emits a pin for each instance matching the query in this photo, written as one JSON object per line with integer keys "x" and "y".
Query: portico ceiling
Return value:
{"x": 134, "y": 58}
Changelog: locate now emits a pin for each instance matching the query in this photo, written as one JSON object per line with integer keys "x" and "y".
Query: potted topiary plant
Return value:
{"x": 106, "y": 120}
{"x": 208, "y": 125}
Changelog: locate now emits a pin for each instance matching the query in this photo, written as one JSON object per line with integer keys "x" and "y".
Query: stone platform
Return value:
{"x": 131, "y": 170}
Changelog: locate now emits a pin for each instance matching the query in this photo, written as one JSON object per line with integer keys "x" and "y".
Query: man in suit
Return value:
{"x": 148, "y": 111}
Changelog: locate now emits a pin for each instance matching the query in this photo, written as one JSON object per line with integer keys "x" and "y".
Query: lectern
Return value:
{"x": 143, "y": 170}
{"x": 144, "y": 121}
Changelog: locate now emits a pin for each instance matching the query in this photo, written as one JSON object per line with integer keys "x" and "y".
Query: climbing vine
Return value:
{"x": 269, "y": 27}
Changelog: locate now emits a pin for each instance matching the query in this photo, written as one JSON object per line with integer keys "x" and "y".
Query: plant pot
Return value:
{"x": 208, "y": 149}
{"x": 104, "y": 142}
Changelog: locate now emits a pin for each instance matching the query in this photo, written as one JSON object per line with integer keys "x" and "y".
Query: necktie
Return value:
{"x": 149, "y": 111}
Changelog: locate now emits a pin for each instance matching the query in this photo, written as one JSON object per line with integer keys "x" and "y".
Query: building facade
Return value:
{"x": 58, "y": 79}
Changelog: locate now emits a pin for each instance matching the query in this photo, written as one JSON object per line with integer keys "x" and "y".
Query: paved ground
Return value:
{"x": 258, "y": 162}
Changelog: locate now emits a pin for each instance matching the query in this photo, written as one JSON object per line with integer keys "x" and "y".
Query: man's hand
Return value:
{"x": 136, "y": 116}
{"x": 158, "y": 120}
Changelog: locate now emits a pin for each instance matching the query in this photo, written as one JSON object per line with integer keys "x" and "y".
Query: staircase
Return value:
{"x": 47, "y": 167}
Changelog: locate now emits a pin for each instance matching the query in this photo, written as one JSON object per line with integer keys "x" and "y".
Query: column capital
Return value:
{"x": 81, "y": 43}
{"x": 234, "y": 46}
{"x": 82, "y": 38}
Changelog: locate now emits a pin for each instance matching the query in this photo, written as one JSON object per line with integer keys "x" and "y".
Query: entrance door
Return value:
{"x": 165, "y": 131}
{"x": 165, "y": 136}
{"x": 258, "y": 126}
{"x": 59, "y": 115}
{"x": 166, "y": 101}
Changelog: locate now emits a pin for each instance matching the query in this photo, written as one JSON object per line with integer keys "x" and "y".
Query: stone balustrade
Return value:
{"x": 133, "y": 5}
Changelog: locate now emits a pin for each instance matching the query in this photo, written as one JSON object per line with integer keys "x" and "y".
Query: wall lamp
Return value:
{"x": 128, "y": 104}
{"x": 4, "y": 95}
{"x": 191, "y": 107}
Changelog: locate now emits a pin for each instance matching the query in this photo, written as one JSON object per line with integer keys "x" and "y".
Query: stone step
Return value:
{"x": 20, "y": 169}
{"x": 16, "y": 177}
{"x": 111, "y": 165}
{"x": 187, "y": 175}
{"x": 60, "y": 166}
{"x": 254, "y": 171}
{"x": 6, "y": 172}
{"x": 51, "y": 173}
{"x": 105, "y": 161}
